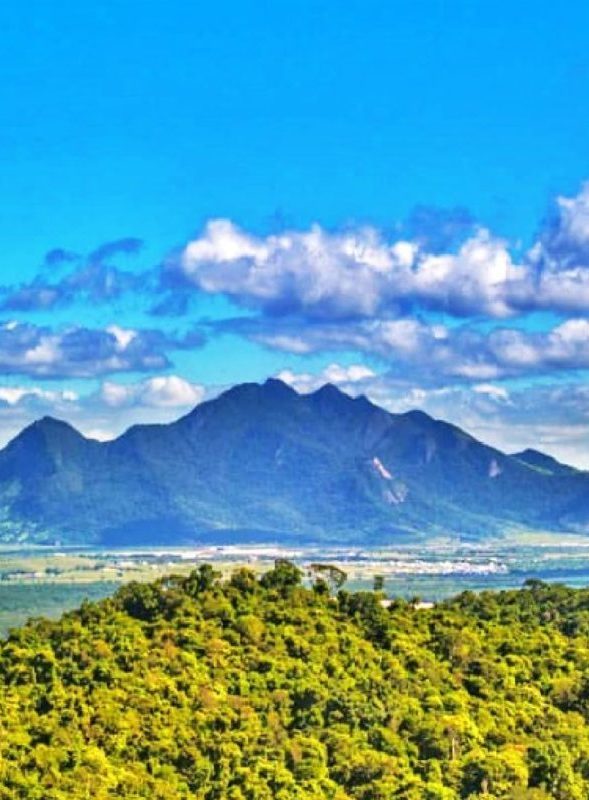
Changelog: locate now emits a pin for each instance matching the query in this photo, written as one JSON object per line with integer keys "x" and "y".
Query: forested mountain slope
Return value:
{"x": 264, "y": 690}
{"x": 262, "y": 461}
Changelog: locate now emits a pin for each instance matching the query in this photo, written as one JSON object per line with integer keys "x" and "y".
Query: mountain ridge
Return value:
{"x": 262, "y": 460}
{"x": 542, "y": 460}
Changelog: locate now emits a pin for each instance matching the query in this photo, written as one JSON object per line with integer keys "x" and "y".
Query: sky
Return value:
{"x": 392, "y": 197}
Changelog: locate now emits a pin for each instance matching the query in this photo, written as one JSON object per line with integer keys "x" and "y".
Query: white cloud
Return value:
{"x": 334, "y": 373}
{"x": 496, "y": 392}
{"x": 116, "y": 395}
{"x": 324, "y": 275}
{"x": 564, "y": 243}
{"x": 170, "y": 391}
{"x": 165, "y": 391}
{"x": 76, "y": 351}
{"x": 44, "y": 354}
{"x": 574, "y": 216}
{"x": 439, "y": 353}
{"x": 79, "y": 352}
{"x": 123, "y": 336}
{"x": 102, "y": 413}
{"x": 477, "y": 279}
{"x": 315, "y": 272}
{"x": 17, "y": 395}
{"x": 347, "y": 377}
{"x": 361, "y": 271}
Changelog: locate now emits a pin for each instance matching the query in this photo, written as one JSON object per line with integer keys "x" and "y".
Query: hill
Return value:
{"x": 261, "y": 461}
{"x": 265, "y": 690}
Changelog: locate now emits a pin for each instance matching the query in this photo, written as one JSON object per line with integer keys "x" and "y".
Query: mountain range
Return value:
{"x": 262, "y": 462}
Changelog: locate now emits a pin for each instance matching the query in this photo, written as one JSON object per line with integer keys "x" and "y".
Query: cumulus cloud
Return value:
{"x": 435, "y": 352}
{"x": 349, "y": 378}
{"x": 313, "y": 272}
{"x": 564, "y": 242}
{"x": 352, "y": 274}
{"x": 165, "y": 391}
{"x": 75, "y": 351}
{"x": 557, "y": 276}
{"x": 444, "y": 263}
{"x": 499, "y": 393}
{"x": 439, "y": 306}
{"x": 438, "y": 261}
{"x": 94, "y": 278}
{"x": 35, "y": 397}
{"x": 102, "y": 413}
{"x": 59, "y": 256}
{"x": 103, "y": 253}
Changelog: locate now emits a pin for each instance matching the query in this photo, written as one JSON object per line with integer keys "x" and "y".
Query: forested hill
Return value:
{"x": 264, "y": 690}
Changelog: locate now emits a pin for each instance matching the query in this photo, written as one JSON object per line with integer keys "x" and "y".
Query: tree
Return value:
{"x": 330, "y": 574}
{"x": 285, "y": 575}
{"x": 201, "y": 580}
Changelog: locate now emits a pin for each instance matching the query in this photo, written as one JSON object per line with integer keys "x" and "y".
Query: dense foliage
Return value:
{"x": 265, "y": 690}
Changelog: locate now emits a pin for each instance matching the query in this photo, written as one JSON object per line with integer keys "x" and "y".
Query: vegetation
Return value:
{"x": 261, "y": 689}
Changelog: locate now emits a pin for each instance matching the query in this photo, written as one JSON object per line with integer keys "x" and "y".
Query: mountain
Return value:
{"x": 261, "y": 461}
{"x": 535, "y": 458}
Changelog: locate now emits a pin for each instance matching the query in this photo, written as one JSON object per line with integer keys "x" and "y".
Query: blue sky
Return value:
{"x": 439, "y": 148}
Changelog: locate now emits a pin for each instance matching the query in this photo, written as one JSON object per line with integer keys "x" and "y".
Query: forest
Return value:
{"x": 263, "y": 688}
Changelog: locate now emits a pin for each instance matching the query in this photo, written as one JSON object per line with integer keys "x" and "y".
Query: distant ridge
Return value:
{"x": 537, "y": 459}
{"x": 264, "y": 462}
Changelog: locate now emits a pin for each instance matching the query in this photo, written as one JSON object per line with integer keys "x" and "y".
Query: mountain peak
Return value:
{"x": 329, "y": 391}
{"x": 540, "y": 460}
{"x": 47, "y": 429}
{"x": 53, "y": 425}
{"x": 417, "y": 415}
{"x": 243, "y": 398}
{"x": 278, "y": 386}
{"x": 53, "y": 422}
